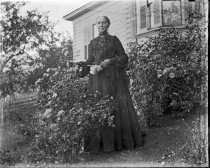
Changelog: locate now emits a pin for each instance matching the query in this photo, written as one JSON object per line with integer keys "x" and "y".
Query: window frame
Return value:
{"x": 93, "y": 30}
{"x": 152, "y": 27}
{"x": 86, "y": 47}
{"x": 181, "y": 14}
{"x": 149, "y": 12}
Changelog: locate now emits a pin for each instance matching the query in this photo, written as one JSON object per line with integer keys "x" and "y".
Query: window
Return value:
{"x": 155, "y": 13}
{"x": 172, "y": 12}
{"x": 148, "y": 15}
{"x": 143, "y": 17}
{"x": 86, "y": 51}
{"x": 95, "y": 31}
{"x": 87, "y": 37}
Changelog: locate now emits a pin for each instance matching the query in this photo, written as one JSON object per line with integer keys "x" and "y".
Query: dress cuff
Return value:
{"x": 112, "y": 60}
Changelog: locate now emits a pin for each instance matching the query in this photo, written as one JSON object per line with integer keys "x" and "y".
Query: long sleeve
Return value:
{"x": 121, "y": 59}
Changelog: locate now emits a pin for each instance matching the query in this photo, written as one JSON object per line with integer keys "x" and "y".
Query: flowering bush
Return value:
{"x": 166, "y": 71}
{"x": 67, "y": 113}
{"x": 9, "y": 157}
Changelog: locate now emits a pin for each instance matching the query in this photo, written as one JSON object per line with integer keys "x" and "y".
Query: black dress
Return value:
{"x": 113, "y": 81}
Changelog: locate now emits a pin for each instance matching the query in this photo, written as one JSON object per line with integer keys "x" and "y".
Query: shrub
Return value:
{"x": 67, "y": 113}
{"x": 193, "y": 150}
{"x": 166, "y": 71}
{"x": 9, "y": 157}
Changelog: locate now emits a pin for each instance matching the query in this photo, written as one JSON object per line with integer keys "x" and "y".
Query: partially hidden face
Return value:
{"x": 102, "y": 24}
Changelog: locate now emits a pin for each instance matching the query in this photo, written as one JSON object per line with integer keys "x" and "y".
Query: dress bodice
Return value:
{"x": 103, "y": 47}
{"x": 107, "y": 47}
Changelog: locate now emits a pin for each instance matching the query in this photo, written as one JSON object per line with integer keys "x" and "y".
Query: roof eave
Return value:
{"x": 84, "y": 9}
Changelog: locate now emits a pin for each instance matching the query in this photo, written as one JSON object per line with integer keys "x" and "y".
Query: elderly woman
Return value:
{"x": 107, "y": 51}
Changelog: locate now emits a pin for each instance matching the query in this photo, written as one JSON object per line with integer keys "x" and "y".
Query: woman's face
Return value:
{"x": 102, "y": 24}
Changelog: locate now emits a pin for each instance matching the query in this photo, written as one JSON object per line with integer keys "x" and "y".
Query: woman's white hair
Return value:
{"x": 107, "y": 19}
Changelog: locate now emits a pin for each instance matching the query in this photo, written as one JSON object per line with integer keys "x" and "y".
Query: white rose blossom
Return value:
{"x": 172, "y": 75}
{"x": 95, "y": 69}
{"x": 47, "y": 113}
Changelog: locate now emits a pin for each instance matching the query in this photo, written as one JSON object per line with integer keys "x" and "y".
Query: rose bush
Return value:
{"x": 166, "y": 71}
{"x": 67, "y": 113}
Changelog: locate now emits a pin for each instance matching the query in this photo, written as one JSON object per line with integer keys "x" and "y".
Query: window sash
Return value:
{"x": 86, "y": 51}
{"x": 155, "y": 19}
{"x": 149, "y": 16}
{"x": 143, "y": 17}
{"x": 157, "y": 12}
{"x": 174, "y": 17}
{"x": 94, "y": 31}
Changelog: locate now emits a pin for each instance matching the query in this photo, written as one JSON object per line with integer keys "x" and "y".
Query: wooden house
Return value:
{"x": 130, "y": 20}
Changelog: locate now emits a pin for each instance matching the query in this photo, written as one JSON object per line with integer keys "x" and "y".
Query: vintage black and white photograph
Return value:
{"x": 104, "y": 83}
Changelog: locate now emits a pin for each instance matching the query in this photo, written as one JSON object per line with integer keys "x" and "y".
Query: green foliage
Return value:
{"x": 20, "y": 34}
{"x": 26, "y": 120}
{"x": 9, "y": 157}
{"x": 68, "y": 112}
{"x": 50, "y": 58}
{"x": 30, "y": 46}
{"x": 166, "y": 72}
{"x": 19, "y": 30}
{"x": 193, "y": 150}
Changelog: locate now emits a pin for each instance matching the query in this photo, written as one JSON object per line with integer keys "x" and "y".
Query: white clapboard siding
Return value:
{"x": 120, "y": 15}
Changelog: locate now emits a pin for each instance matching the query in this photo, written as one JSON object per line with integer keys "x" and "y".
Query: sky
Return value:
{"x": 57, "y": 9}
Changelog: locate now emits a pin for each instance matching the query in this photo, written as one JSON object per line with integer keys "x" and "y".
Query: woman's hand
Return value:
{"x": 105, "y": 63}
